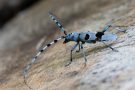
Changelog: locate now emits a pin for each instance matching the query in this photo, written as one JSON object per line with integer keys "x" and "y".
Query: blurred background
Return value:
{"x": 24, "y": 24}
{"x": 25, "y": 20}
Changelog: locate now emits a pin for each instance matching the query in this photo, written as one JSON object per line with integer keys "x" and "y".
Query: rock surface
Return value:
{"x": 9, "y": 8}
{"x": 105, "y": 70}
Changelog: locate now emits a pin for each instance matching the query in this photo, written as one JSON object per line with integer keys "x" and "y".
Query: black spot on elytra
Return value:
{"x": 87, "y": 36}
{"x": 99, "y": 35}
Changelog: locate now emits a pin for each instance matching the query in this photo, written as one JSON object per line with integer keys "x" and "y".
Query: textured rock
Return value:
{"x": 105, "y": 70}
{"x": 9, "y": 8}
{"x": 35, "y": 23}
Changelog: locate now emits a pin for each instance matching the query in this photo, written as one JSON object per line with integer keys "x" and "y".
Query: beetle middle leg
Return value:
{"x": 83, "y": 53}
{"x": 78, "y": 47}
{"x": 73, "y": 48}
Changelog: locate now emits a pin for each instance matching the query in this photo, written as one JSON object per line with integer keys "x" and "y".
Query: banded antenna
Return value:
{"x": 106, "y": 28}
{"x": 58, "y": 23}
{"x": 110, "y": 25}
{"x": 27, "y": 68}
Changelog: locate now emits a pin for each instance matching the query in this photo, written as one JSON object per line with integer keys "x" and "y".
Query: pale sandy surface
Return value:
{"x": 105, "y": 70}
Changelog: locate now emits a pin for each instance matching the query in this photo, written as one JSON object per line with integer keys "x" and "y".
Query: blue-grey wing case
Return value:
{"x": 109, "y": 37}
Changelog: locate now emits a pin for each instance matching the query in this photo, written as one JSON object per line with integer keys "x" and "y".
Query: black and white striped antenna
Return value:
{"x": 58, "y": 23}
{"x": 27, "y": 68}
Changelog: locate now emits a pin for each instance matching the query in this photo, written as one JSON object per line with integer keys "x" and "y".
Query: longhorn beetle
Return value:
{"x": 80, "y": 39}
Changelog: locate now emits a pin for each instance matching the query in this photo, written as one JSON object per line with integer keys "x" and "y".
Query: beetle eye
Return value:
{"x": 66, "y": 40}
